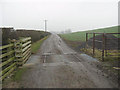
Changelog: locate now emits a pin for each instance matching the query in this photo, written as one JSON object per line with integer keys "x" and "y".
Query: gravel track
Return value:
{"x": 58, "y": 66}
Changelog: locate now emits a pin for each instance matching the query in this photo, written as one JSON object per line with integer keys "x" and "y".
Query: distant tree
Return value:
{"x": 68, "y": 31}
{"x": 62, "y": 32}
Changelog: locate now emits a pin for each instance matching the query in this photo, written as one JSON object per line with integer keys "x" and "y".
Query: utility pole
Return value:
{"x": 45, "y": 25}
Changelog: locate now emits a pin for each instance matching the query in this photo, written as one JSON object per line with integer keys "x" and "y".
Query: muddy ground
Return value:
{"x": 56, "y": 65}
{"x": 106, "y": 66}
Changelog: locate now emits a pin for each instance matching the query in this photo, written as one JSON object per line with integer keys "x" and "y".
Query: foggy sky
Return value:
{"x": 76, "y": 15}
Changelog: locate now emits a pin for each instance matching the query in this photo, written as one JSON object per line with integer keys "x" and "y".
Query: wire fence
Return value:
{"x": 107, "y": 44}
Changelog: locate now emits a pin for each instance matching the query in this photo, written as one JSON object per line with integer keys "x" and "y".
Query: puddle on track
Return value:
{"x": 87, "y": 57}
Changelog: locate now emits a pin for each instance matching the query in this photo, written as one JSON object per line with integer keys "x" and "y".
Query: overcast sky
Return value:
{"x": 76, "y": 15}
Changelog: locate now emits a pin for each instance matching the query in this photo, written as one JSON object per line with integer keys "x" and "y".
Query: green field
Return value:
{"x": 80, "y": 36}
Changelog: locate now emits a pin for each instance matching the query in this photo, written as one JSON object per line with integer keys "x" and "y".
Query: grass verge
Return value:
{"x": 35, "y": 46}
{"x": 13, "y": 80}
{"x": 112, "y": 55}
{"x": 18, "y": 74}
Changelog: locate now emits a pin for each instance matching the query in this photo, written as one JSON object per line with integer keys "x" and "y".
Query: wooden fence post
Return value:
{"x": 9, "y": 49}
{"x": 23, "y": 50}
{"x": 12, "y": 48}
{"x": 17, "y": 52}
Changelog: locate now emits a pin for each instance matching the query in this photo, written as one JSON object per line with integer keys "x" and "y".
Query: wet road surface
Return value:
{"x": 58, "y": 66}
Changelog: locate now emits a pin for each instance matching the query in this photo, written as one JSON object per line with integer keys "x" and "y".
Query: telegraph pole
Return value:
{"x": 45, "y": 25}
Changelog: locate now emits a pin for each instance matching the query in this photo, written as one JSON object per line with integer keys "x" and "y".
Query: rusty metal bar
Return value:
{"x": 86, "y": 41}
{"x": 103, "y": 46}
{"x": 86, "y": 37}
{"x": 113, "y": 38}
{"x": 105, "y": 33}
{"x": 98, "y": 41}
{"x": 93, "y": 44}
{"x": 104, "y": 42}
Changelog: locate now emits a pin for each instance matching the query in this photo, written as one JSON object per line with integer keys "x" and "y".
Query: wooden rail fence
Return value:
{"x": 22, "y": 50}
{"x": 13, "y": 55}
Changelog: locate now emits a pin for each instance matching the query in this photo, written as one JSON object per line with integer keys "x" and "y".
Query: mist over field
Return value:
{"x": 77, "y": 15}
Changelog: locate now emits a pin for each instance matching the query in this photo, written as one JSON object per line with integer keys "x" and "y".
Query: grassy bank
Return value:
{"x": 80, "y": 36}
{"x": 35, "y": 46}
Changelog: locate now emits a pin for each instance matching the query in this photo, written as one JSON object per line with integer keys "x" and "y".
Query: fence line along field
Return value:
{"x": 103, "y": 45}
